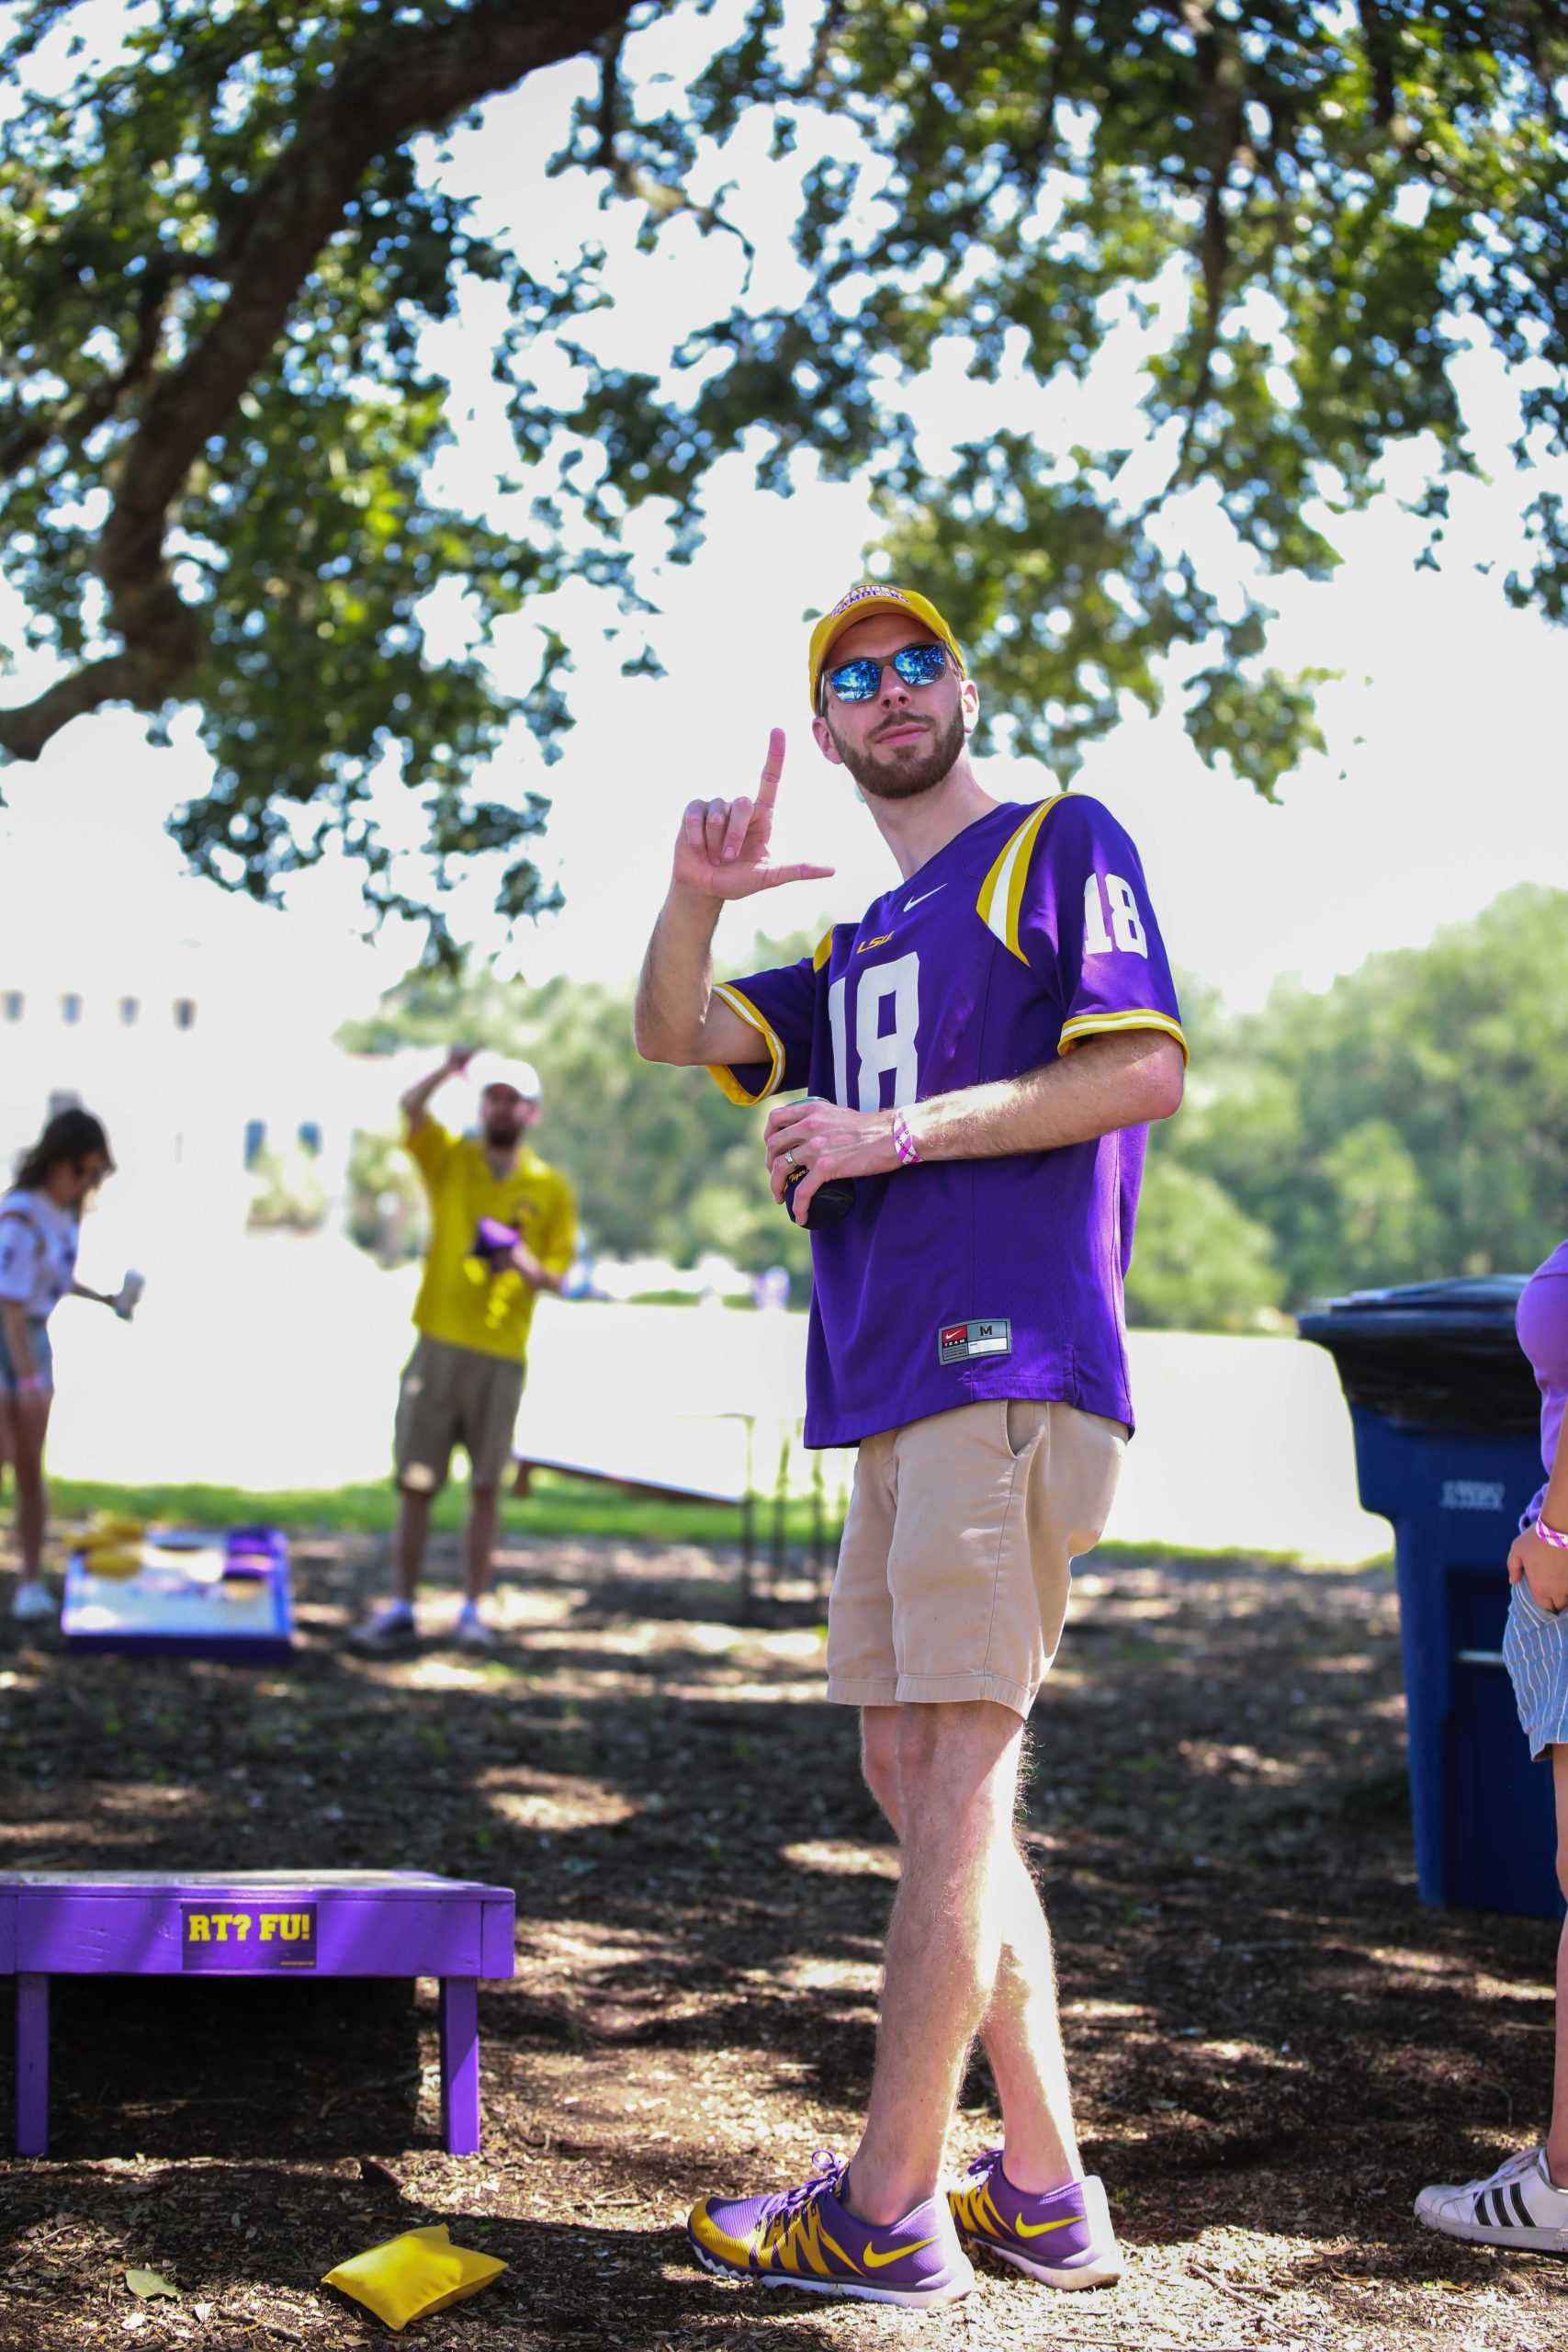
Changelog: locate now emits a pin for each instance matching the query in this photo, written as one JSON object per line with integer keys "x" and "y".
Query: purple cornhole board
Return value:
{"x": 166, "y": 1611}
{"x": 294, "y": 1923}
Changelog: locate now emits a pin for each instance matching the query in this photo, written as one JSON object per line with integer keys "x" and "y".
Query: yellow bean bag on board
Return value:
{"x": 112, "y": 1559}
{"x": 111, "y": 1527}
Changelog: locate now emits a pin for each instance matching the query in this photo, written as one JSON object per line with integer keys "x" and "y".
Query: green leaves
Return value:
{"x": 1201, "y": 1263}
{"x": 1410, "y": 1122}
{"x": 1285, "y": 219}
{"x": 219, "y": 430}
{"x": 1254, "y": 238}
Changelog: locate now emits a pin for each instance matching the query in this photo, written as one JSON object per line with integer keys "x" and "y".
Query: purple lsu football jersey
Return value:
{"x": 960, "y": 1279}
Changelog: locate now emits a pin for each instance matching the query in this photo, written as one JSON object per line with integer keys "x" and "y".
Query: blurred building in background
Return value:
{"x": 193, "y": 1025}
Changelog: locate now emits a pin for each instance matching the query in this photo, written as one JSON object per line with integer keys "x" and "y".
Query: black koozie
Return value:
{"x": 829, "y": 1205}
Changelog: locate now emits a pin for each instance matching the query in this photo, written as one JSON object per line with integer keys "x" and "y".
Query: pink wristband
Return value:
{"x": 904, "y": 1142}
{"x": 1550, "y": 1535}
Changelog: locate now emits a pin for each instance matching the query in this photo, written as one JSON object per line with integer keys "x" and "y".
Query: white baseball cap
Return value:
{"x": 522, "y": 1077}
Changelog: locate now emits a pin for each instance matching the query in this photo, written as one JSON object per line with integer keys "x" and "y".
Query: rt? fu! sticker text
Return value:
{"x": 249, "y": 1935}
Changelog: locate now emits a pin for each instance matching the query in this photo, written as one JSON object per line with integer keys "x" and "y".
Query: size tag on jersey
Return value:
{"x": 958, "y": 1342}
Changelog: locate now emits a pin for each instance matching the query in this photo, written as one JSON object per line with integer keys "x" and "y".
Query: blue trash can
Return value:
{"x": 1447, "y": 1419}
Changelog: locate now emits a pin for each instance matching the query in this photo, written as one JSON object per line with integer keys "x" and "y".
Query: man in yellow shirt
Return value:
{"x": 463, "y": 1384}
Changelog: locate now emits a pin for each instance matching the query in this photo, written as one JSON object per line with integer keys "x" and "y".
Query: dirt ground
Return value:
{"x": 1273, "y": 2044}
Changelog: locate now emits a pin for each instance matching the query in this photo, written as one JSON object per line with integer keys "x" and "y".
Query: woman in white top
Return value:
{"x": 40, "y": 1226}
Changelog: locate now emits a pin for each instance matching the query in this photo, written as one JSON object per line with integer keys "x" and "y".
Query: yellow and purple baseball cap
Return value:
{"x": 860, "y": 603}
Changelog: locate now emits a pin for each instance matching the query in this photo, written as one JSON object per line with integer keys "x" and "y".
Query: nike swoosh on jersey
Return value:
{"x": 875, "y": 2261}
{"x": 910, "y": 904}
{"x": 1038, "y": 2229}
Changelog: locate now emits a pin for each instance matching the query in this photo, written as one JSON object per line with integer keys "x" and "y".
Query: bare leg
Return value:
{"x": 958, "y": 1777}
{"x": 1023, "y": 2041}
{"x": 484, "y": 1519}
{"x": 1557, "y": 2135}
{"x": 26, "y": 1425}
{"x": 408, "y": 1543}
{"x": 1021, "y": 2029}
{"x": 8, "y": 1437}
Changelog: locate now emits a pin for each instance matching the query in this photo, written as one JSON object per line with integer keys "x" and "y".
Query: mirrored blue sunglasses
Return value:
{"x": 917, "y": 665}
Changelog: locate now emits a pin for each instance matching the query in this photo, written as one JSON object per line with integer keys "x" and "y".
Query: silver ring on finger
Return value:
{"x": 790, "y": 1160}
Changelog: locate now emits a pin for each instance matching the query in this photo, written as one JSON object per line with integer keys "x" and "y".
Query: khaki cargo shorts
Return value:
{"x": 957, "y": 1551}
{"x": 455, "y": 1397}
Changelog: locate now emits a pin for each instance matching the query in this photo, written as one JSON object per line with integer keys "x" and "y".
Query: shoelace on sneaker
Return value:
{"x": 1498, "y": 2203}
{"x": 1517, "y": 2168}
{"x": 828, "y": 2171}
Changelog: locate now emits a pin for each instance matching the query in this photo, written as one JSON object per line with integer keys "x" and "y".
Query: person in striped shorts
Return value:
{"x": 1524, "y": 2204}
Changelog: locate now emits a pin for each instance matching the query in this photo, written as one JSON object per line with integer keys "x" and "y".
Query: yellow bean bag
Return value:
{"x": 409, "y": 2277}
{"x": 112, "y": 1559}
{"x": 111, "y": 1527}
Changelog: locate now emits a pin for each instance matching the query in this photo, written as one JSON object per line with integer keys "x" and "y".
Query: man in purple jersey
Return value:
{"x": 982, "y": 1053}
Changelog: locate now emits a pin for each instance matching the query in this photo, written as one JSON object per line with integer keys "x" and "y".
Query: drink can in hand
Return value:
{"x": 829, "y": 1204}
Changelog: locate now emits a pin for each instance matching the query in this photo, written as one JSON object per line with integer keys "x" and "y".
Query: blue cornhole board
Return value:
{"x": 195, "y": 1595}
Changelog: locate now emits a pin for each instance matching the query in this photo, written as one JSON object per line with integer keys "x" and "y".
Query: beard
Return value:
{"x": 909, "y": 769}
{"x": 502, "y": 1134}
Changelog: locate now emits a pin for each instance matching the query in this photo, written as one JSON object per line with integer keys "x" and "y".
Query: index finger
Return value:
{"x": 780, "y": 1116}
{"x": 773, "y": 768}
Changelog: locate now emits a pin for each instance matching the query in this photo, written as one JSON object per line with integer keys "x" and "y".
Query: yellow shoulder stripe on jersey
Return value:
{"x": 821, "y": 952}
{"x": 724, "y": 1078}
{"x": 1101, "y": 1024}
{"x": 1001, "y": 892}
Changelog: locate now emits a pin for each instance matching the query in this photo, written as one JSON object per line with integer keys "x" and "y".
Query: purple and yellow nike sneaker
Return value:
{"x": 1064, "y": 2237}
{"x": 803, "y": 2237}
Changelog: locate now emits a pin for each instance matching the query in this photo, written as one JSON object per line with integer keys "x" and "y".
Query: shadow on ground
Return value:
{"x": 1273, "y": 2044}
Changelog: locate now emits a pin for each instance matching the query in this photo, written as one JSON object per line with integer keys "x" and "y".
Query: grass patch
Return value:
{"x": 1179, "y": 1555}
{"x": 558, "y": 1505}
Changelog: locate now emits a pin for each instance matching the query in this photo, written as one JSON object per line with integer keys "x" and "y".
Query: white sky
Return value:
{"x": 1445, "y": 730}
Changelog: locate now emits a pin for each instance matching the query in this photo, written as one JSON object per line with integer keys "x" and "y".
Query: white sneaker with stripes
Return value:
{"x": 1518, "y": 2205}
